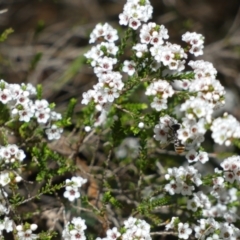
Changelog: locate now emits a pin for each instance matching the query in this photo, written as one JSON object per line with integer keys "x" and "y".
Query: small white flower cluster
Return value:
{"x": 183, "y": 229}
{"x": 203, "y": 69}
{"x": 153, "y": 34}
{"x": 210, "y": 90}
{"x": 195, "y": 42}
{"x": 106, "y": 32}
{"x": 210, "y": 93}
{"x": 231, "y": 169}
{"x": 74, "y": 230}
{"x": 182, "y": 180}
{"x": 112, "y": 234}
{"x": 129, "y": 67}
{"x": 163, "y": 131}
{"x": 8, "y": 155}
{"x": 136, "y": 229}
{"x": 25, "y": 232}
{"x": 170, "y": 55}
{"x": 196, "y": 108}
{"x": 198, "y": 200}
{"x": 205, "y": 83}
{"x": 161, "y": 90}
{"x": 224, "y": 207}
{"x": 210, "y": 229}
{"x": 135, "y": 12}
{"x": 4, "y": 178}
{"x": 109, "y": 82}
{"x": 225, "y": 129}
{"x": 6, "y": 224}
{"x": 72, "y": 191}
{"x": 11, "y": 153}
{"x": 191, "y": 134}
{"x": 18, "y": 99}
{"x": 193, "y": 156}
{"x": 4, "y": 205}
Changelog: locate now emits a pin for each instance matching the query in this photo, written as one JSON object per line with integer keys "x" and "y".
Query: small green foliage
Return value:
{"x": 117, "y": 132}
{"x": 16, "y": 199}
{"x": 180, "y": 76}
{"x": 154, "y": 218}
{"x": 236, "y": 142}
{"x": 149, "y": 205}
{"x": 39, "y": 91}
{"x": 35, "y": 60}
{"x": 48, "y": 235}
{"x": 70, "y": 109}
{"x": 4, "y": 113}
{"x": 40, "y": 27}
{"x": 5, "y": 34}
{"x": 108, "y": 198}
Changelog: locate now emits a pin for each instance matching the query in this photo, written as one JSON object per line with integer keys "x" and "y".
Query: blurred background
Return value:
{"x": 51, "y": 36}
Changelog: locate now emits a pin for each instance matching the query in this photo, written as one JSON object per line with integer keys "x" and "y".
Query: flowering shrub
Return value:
{"x": 131, "y": 186}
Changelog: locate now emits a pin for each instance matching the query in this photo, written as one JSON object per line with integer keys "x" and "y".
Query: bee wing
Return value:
{"x": 164, "y": 145}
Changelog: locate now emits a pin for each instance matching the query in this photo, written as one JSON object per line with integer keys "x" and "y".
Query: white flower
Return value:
{"x": 129, "y": 67}
{"x": 192, "y": 204}
{"x": 182, "y": 180}
{"x": 197, "y": 108}
{"x": 79, "y": 224}
{"x": 173, "y": 187}
{"x": 54, "y": 132}
{"x": 160, "y": 88}
{"x": 26, "y": 234}
{"x": 4, "y": 178}
{"x": 136, "y": 228}
{"x": 134, "y": 13}
{"x": 87, "y": 128}
{"x": 77, "y": 181}
{"x": 26, "y": 113}
{"x": 226, "y": 231}
{"x": 88, "y": 96}
{"x": 152, "y": 33}
{"x": 5, "y": 96}
{"x": 171, "y": 55}
{"x": 224, "y": 129}
{"x": 105, "y": 31}
{"x": 104, "y": 65}
{"x": 196, "y": 42}
{"x": 203, "y": 157}
{"x": 140, "y": 49}
{"x": 74, "y": 230}
{"x": 8, "y": 224}
{"x": 113, "y": 234}
{"x": 192, "y": 156}
{"x": 159, "y": 104}
{"x": 203, "y": 69}
{"x": 71, "y": 193}
{"x": 184, "y": 231}
{"x": 172, "y": 224}
{"x": 43, "y": 115}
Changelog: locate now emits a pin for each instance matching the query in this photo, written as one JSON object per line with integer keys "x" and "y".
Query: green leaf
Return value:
{"x": 5, "y": 34}
{"x": 35, "y": 60}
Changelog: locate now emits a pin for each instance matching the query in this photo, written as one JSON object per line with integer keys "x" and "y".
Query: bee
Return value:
{"x": 178, "y": 146}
